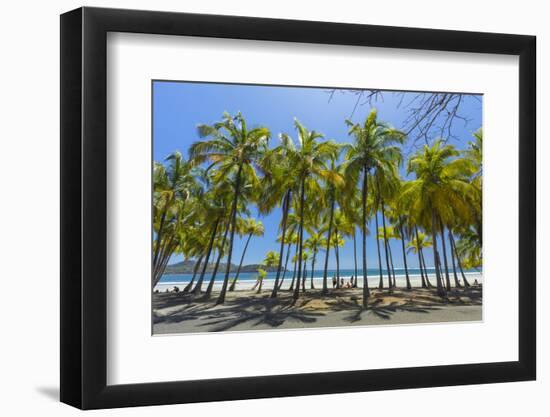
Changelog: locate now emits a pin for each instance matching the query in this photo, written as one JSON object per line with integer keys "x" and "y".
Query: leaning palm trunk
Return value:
{"x": 405, "y": 257}
{"x": 386, "y": 248}
{"x": 381, "y": 282}
{"x": 301, "y": 236}
{"x": 198, "y": 287}
{"x": 286, "y": 204}
{"x": 419, "y": 252}
{"x": 255, "y": 284}
{"x": 391, "y": 265}
{"x": 425, "y": 269}
{"x": 355, "y": 257}
{"x": 195, "y": 270}
{"x": 213, "y": 277}
{"x": 364, "y": 230}
{"x": 295, "y": 268}
{"x": 165, "y": 253}
{"x": 455, "y": 276}
{"x": 439, "y": 282}
{"x": 160, "y": 232}
{"x": 453, "y": 247}
{"x": 327, "y": 252}
{"x": 286, "y": 265}
{"x": 234, "y": 282}
{"x": 443, "y": 244}
{"x": 221, "y": 298}
{"x": 304, "y": 276}
{"x": 337, "y": 253}
{"x": 220, "y": 255}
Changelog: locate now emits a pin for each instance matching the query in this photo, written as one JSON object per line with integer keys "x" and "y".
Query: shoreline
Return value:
{"x": 247, "y": 284}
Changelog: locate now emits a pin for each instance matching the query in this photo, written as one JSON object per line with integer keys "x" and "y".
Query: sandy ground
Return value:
{"x": 246, "y": 310}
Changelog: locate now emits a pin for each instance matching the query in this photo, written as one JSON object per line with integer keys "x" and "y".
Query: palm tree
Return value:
{"x": 234, "y": 149}
{"x": 334, "y": 180}
{"x": 314, "y": 242}
{"x": 337, "y": 242}
{"x": 374, "y": 149}
{"x": 305, "y": 258}
{"x": 290, "y": 239}
{"x": 271, "y": 259}
{"x": 278, "y": 187}
{"x": 416, "y": 245}
{"x": 387, "y": 233}
{"x": 261, "y": 276}
{"x": 399, "y": 233}
{"x": 251, "y": 228}
{"x": 173, "y": 186}
{"x": 453, "y": 247}
{"x": 309, "y": 162}
{"x": 439, "y": 193}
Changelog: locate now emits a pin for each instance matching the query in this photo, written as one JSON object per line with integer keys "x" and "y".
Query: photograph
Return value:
{"x": 289, "y": 207}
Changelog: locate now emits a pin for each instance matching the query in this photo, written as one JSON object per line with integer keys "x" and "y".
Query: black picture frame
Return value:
{"x": 84, "y": 207}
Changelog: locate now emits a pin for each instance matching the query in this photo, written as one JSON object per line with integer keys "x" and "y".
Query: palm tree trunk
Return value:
{"x": 286, "y": 204}
{"x": 260, "y": 287}
{"x": 295, "y": 267}
{"x": 220, "y": 256}
{"x": 327, "y": 252}
{"x": 392, "y": 266}
{"x": 195, "y": 270}
{"x": 255, "y": 284}
{"x": 364, "y": 231}
{"x": 425, "y": 269}
{"x": 313, "y": 269}
{"x": 232, "y": 286}
{"x": 381, "y": 282}
{"x": 444, "y": 245}
{"x": 386, "y": 249}
{"x": 337, "y": 253}
{"x": 355, "y": 257}
{"x": 164, "y": 255}
{"x": 440, "y": 288}
{"x": 304, "y": 276}
{"x": 160, "y": 232}
{"x": 453, "y": 245}
{"x": 221, "y": 298}
{"x": 198, "y": 286}
{"x": 404, "y": 257}
{"x": 167, "y": 252}
{"x": 286, "y": 265}
{"x": 455, "y": 276}
{"x": 301, "y": 235}
{"x": 213, "y": 277}
{"x": 419, "y": 252}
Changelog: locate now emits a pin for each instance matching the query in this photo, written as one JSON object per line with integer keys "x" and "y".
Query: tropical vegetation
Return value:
{"x": 327, "y": 192}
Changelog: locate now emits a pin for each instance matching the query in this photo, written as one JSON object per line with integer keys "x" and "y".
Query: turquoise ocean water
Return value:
{"x": 251, "y": 276}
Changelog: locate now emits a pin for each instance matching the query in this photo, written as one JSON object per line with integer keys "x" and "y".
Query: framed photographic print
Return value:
{"x": 258, "y": 208}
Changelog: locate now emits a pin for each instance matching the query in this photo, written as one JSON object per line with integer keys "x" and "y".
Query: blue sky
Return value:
{"x": 178, "y": 107}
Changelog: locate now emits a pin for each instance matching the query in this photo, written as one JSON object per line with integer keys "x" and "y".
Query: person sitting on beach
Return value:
{"x": 348, "y": 284}
{"x": 476, "y": 283}
{"x": 341, "y": 282}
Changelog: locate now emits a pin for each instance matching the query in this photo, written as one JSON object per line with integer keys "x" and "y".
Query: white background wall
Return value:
{"x": 29, "y": 219}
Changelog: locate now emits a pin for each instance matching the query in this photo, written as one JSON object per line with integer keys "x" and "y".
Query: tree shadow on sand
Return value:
{"x": 250, "y": 311}
{"x": 401, "y": 301}
{"x": 257, "y": 311}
